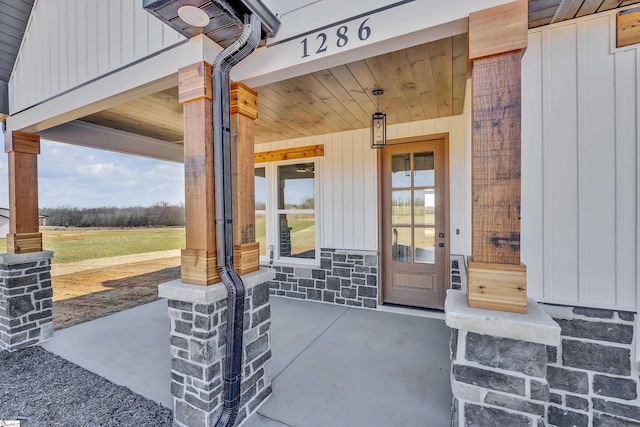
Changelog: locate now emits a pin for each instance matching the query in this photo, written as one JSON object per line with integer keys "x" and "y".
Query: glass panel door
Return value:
{"x": 415, "y": 257}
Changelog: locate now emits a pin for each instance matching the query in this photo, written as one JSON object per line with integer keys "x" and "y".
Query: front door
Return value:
{"x": 415, "y": 252}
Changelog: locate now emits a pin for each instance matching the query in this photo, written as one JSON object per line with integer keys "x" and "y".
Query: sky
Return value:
{"x": 70, "y": 175}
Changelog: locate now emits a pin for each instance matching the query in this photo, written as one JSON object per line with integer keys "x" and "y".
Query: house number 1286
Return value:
{"x": 342, "y": 38}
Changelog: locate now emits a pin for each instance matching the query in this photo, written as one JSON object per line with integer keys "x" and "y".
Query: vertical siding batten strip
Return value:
{"x": 347, "y": 187}
{"x": 625, "y": 130}
{"x": 547, "y": 176}
{"x": 637, "y": 272}
{"x": 532, "y": 250}
{"x": 583, "y": 162}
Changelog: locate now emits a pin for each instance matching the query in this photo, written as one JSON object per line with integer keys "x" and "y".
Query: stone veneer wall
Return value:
{"x": 26, "y": 316}
{"x": 198, "y": 341}
{"x": 497, "y": 381}
{"x": 344, "y": 277}
{"x": 458, "y": 272}
{"x": 592, "y": 374}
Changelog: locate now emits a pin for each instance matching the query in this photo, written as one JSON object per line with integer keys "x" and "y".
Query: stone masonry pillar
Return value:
{"x": 499, "y": 364}
{"x": 198, "y": 339}
{"x": 26, "y": 316}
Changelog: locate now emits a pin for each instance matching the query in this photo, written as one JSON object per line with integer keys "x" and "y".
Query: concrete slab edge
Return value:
{"x": 536, "y": 326}
{"x": 186, "y": 292}
{"x": 9, "y": 259}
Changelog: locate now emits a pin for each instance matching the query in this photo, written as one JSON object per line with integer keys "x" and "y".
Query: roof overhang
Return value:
{"x": 226, "y": 17}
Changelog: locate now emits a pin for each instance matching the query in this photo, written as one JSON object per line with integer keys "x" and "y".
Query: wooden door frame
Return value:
{"x": 409, "y": 140}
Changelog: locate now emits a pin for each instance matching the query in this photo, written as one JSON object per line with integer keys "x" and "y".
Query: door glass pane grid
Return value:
{"x": 424, "y": 240}
{"x": 413, "y": 210}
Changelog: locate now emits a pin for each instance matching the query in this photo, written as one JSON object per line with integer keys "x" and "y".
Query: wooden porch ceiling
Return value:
{"x": 422, "y": 82}
{"x": 544, "y": 12}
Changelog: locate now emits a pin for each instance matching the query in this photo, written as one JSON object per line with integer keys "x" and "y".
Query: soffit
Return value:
{"x": 421, "y": 82}
{"x": 544, "y": 12}
{"x": 14, "y": 15}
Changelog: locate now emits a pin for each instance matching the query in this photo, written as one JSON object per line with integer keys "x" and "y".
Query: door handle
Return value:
{"x": 439, "y": 245}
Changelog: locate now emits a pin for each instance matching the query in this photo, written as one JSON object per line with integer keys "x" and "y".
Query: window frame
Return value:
{"x": 273, "y": 213}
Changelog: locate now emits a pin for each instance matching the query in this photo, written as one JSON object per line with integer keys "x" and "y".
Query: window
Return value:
{"x": 286, "y": 211}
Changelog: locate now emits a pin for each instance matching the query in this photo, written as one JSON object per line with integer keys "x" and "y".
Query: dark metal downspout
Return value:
{"x": 222, "y": 65}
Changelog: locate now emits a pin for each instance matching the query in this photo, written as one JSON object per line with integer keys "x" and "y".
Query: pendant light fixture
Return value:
{"x": 378, "y": 124}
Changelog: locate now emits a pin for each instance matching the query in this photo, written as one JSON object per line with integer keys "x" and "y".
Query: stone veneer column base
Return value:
{"x": 197, "y": 342}
{"x": 26, "y": 316}
{"x": 499, "y": 364}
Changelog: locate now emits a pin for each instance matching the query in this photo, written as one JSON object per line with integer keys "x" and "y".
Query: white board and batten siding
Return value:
{"x": 348, "y": 182}
{"x": 579, "y": 165}
{"x": 70, "y": 42}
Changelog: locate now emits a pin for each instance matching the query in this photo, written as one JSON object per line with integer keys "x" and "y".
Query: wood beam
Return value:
{"x": 628, "y": 27}
{"x": 290, "y": 153}
{"x": 498, "y": 29}
{"x": 244, "y": 111}
{"x": 24, "y": 233}
{"x": 498, "y": 37}
{"x": 195, "y": 93}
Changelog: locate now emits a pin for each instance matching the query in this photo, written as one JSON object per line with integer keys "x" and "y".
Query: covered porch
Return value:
{"x": 330, "y": 365}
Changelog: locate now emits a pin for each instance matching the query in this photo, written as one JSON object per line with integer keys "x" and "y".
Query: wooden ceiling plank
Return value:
{"x": 148, "y": 112}
{"x": 316, "y": 102}
{"x": 277, "y": 125}
{"x": 134, "y": 125}
{"x": 460, "y": 70}
{"x": 365, "y": 78}
{"x": 282, "y": 105}
{"x": 357, "y": 90}
{"x": 589, "y": 7}
{"x": 301, "y": 109}
{"x": 629, "y": 2}
{"x": 311, "y": 82}
{"x": 381, "y": 69}
{"x": 609, "y": 4}
{"x": 341, "y": 94}
{"x": 566, "y": 10}
{"x": 282, "y": 116}
{"x": 267, "y": 132}
{"x": 421, "y": 65}
{"x": 441, "y": 53}
{"x": 401, "y": 69}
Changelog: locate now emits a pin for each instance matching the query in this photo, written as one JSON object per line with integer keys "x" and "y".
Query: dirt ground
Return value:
{"x": 93, "y": 289}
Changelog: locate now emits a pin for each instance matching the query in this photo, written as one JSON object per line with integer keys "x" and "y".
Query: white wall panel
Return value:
{"x": 532, "y": 207}
{"x": 579, "y": 168}
{"x": 348, "y": 202}
{"x": 69, "y": 42}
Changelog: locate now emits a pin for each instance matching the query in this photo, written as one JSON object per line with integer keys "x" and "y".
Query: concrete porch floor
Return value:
{"x": 331, "y": 365}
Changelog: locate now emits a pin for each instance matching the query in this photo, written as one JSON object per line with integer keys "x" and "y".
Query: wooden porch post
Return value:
{"x": 497, "y": 39}
{"x": 198, "y": 261}
{"x": 24, "y": 233}
{"x": 244, "y": 110}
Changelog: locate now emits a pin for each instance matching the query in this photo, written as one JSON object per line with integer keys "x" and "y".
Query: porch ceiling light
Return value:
{"x": 378, "y": 125}
{"x": 194, "y": 16}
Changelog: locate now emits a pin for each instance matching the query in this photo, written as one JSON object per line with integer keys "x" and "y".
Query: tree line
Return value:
{"x": 161, "y": 214}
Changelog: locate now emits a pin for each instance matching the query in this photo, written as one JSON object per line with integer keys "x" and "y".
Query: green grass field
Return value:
{"x": 79, "y": 244}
